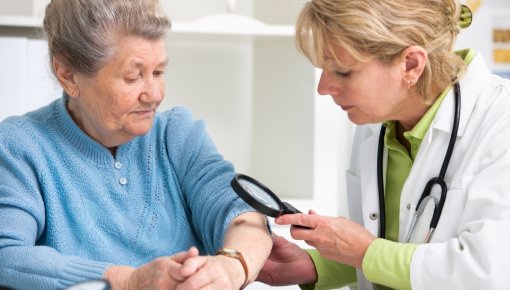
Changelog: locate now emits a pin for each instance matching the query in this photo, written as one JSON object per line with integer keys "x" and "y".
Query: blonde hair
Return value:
{"x": 383, "y": 29}
{"x": 82, "y": 33}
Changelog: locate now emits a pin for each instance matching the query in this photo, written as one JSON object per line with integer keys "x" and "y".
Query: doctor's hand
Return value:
{"x": 336, "y": 238}
{"x": 287, "y": 264}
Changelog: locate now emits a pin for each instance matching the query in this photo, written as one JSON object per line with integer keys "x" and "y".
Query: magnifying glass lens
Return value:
{"x": 259, "y": 194}
{"x": 260, "y": 197}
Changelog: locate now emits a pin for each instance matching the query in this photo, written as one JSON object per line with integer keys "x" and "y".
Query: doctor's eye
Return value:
{"x": 342, "y": 74}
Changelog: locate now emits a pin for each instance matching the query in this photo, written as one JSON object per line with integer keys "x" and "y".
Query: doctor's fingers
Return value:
{"x": 306, "y": 220}
{"x": 318, "y": 228}
{"x": 318, "y": 223}
{"x": 330, "y": 230}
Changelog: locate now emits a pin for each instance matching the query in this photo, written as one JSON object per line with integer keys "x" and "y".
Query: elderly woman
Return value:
{"x": 98, "y": 185}
{"x": 428, "y": 184}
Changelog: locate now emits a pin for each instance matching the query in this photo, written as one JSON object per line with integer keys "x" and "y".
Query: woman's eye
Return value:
{"x": 131, "y": 79}
{"x": 342, "y": 74}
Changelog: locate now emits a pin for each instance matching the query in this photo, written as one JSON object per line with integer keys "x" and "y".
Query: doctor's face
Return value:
{"x": 369, "y": 92}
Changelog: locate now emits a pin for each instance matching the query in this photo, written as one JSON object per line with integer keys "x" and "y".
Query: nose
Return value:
{"x": 326, "y": 84}
{"x": 153, "y": 91}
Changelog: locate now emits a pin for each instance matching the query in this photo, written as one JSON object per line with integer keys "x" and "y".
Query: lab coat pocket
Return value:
{"x": 451, "y": 215}
{"x": 354, "y": 197}
{"x": 422, "y": 223}
{"x": 448, "y": 221}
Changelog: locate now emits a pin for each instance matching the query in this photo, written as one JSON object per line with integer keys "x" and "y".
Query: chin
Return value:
{"x": 142, "y": 132}
{"x": 362, "y": 119}
{"x": 140, "y": 129}
{"x": 355, "y": 120}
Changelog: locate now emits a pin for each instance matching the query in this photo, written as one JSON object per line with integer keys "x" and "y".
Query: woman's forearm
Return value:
{"x": 249, "y": 234}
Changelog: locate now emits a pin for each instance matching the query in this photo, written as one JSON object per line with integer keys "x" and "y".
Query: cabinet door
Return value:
{"x": 25, "y": 76}
{"x": 13, "y": 73}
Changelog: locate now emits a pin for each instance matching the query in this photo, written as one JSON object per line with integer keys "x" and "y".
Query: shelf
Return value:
{"x": 221, "y": 24}
{"x": 20, "y": 21}
{"x": 233, "y": 24}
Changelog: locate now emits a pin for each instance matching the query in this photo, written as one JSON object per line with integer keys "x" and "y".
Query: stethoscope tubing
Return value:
{"x": 439, "y": 180}
{"x": 448, "y": 156}
{"x": 380, "y": 184}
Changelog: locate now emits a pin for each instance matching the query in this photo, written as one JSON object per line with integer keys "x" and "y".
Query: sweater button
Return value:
{"x": 123, "y": 181}
{"x": 118, "y": 165}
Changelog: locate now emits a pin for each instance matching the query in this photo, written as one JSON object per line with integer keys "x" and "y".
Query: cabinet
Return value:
{"x": 240, "y": 72}
{"x": 237, "y": 68}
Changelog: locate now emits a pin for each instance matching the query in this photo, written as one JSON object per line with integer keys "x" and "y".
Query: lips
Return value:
{"x": 345, "y": 107}
{"x": 144, "y": 112}
{"x": 337, "y": 100}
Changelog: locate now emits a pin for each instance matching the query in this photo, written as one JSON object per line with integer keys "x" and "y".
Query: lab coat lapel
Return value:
{"x": 433, "y": 147}
{"x": 368, "y": 179}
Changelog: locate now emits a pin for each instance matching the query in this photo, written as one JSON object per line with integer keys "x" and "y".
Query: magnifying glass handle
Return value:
{"x": 289, "y": 209}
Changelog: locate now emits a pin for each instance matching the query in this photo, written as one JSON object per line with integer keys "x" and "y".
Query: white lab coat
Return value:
{"x": 471, "y": 246}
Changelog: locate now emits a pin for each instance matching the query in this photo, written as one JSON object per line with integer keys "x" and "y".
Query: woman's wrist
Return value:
{"x": 235, "y": 254}
{"x": 236, "y": 271}
{"x": 118, "y": 277}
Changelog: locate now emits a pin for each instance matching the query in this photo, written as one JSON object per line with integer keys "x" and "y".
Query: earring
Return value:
{"x": 409, "y": 84}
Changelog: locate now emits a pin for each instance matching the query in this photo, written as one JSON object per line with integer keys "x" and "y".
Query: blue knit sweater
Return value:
{"x": 69, "y": 208}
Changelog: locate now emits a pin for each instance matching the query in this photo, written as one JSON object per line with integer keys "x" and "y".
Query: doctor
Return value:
{"x": 429, "y": 180}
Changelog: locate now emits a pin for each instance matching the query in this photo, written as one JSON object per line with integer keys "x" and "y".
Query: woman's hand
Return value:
{"x": 161, "y": 273}
{"x": 212, "y": 272}
{"x": 335, "y": 238}
{"x": 287, "y": 264}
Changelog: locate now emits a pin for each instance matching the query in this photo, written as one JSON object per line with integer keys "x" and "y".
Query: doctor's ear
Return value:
{"x": 66, "y": 77}
{"x": 414, "y": 59}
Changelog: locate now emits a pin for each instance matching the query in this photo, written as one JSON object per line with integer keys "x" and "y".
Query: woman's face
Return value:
{"x": 369, "y": 92}
{"x": 119, "y": 102}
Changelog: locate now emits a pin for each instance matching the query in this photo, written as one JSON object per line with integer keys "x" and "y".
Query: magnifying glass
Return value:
{"x": 260, "y": 197}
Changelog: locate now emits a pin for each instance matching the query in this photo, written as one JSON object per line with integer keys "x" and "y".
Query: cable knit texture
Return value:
{"x": 69, "y": 208}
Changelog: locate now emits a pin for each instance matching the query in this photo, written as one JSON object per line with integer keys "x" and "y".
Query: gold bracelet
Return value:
{"x": 232, "y": 253}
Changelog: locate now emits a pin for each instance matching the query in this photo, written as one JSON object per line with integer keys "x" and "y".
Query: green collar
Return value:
{"x": 416, "y": 134}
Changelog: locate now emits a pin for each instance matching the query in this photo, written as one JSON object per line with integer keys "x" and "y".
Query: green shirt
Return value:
{"x": 386, "y": 261}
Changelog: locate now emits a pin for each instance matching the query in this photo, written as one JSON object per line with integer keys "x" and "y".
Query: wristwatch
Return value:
{"x": 233, "y": 253}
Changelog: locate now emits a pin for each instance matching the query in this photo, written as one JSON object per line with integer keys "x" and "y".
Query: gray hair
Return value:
{"x": 82, "y": 33}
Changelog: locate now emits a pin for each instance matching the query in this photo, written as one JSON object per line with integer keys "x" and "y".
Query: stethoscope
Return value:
{"x": 426, "y": 195}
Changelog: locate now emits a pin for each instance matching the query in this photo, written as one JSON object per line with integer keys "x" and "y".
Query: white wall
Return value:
{"x": 25, "y": 80}
{"x": 235, "y": 83}
{"x": 490, "y": 14}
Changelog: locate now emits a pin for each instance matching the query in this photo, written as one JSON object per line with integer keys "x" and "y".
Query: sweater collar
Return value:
{"x": 76, "y": 137}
